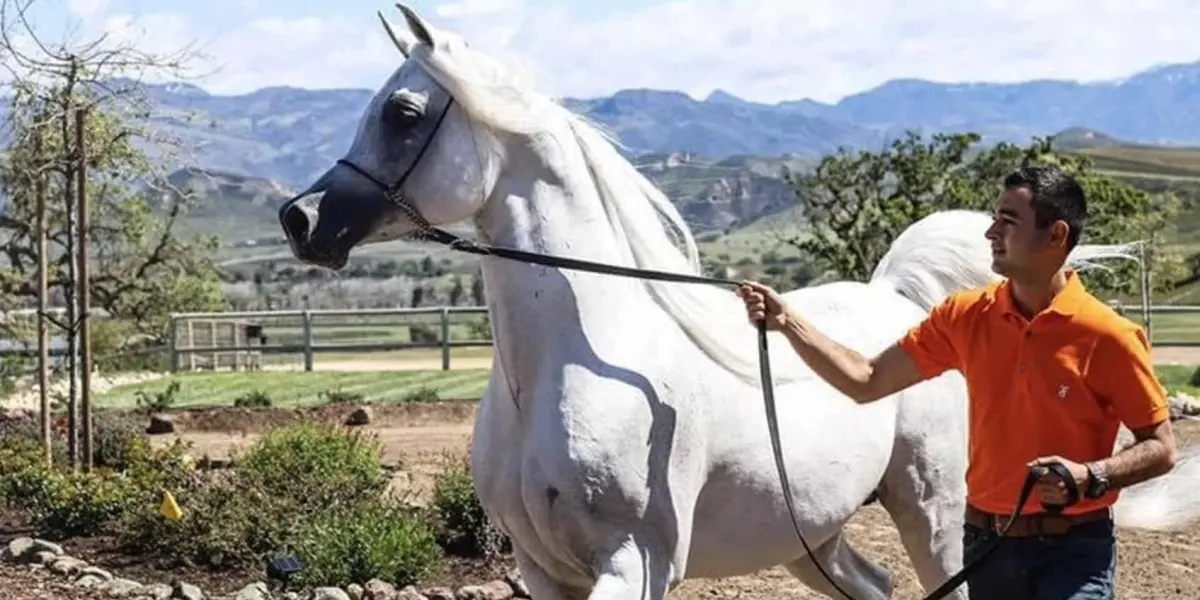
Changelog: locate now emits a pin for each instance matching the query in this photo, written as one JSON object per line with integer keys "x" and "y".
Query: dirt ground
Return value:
{"x": 417, "y": 438}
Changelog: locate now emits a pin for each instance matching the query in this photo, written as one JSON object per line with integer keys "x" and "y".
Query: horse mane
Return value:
{"x": 928, "y": 261}
{"x": 946, "y": 251}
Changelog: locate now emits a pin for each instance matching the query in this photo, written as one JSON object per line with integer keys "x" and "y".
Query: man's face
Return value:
{"x": 1019, "y": 248}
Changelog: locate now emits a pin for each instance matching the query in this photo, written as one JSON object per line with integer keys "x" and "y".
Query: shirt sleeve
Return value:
{"x": 932, "y": 343}
{"x": 1124, "y": 376}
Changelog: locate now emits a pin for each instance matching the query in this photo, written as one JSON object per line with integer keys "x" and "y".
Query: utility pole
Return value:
{"x": 85, "y": 343}
{"x": 39, "y": 192}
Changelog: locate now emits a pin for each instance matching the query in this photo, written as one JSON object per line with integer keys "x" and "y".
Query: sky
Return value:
{"x": 761, "y": 50}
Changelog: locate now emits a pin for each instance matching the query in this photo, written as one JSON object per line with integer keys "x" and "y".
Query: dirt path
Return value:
{"x": 1153, "y": 566}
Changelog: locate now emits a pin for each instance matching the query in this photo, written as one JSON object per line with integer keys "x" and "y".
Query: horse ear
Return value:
{"x": 403, "y": 43}
{"x": 416, "y": 24}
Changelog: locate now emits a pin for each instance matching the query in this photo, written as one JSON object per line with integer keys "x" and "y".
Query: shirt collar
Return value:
{"x": 1068, "y": 302}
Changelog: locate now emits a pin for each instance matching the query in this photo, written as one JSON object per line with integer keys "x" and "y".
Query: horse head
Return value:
{"x": 416, "y": 159}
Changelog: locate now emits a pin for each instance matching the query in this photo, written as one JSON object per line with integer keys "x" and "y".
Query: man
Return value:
{"x": 1051, "y": 371}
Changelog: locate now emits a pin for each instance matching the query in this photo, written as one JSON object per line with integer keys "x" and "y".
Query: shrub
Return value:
{"x": 424, "y": 394}
{"x": 65, "y": 504}
{"x": 253, "y": 399}
{"x": 463, "y": 527}
{"x": 383, "y": 539}
{"x": 290, "y": 477}
{"x": 154, "y": 402}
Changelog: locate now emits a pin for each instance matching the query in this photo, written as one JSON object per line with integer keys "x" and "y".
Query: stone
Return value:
{"x": 438, "y": 593}
{"x": 68, "y": 566}
{"x": 410, "y": 593}
{"x": 27, "y": 550}
{"x": 118, "y": 587}
{"x": 378, "y": 589}
{"x": 160, "y": 424}
{"x": 514, "y": 578}
{"x": 88, "y": 582}
{"x": 255, "y": 591}
{"x": 186, "y": 591}
{"x": 157, "y": 591}
{"x": 492, "y": 590}
{"x": 329, "y": 593}
{"x": 355, "y": 591}
{"x": 97, "y": 572}
{"x": 360, "y": 416}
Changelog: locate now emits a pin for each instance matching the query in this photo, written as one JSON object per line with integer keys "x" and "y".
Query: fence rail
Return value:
{"x": 430, "y": 329}
{"x": 248, "y": 325}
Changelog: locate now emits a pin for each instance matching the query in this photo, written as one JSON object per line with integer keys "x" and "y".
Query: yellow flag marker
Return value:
{"x": 169, "y": 508}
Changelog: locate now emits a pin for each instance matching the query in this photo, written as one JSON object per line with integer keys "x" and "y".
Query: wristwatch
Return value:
{"x": 1098, "y": 483}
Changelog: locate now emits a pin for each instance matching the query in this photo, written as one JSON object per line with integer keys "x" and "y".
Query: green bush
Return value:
{"x": 253, "y": 399}
{"x": 65, "y": 504}
{"x": 288, "y": 478}
{"x": 463, "y": 528}
{"x": 384, "y": 539}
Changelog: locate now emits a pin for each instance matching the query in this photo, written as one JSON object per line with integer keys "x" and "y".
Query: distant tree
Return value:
{"x": 456, "y": 291}
{"x": 477, "y": 290}
{"x": 855, "y": 204}
{"x": 141, "y": 268}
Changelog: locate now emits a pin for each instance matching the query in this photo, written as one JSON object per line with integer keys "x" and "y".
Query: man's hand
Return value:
{"x": 1051, "y": 487}
{"x": 764, "y": 304}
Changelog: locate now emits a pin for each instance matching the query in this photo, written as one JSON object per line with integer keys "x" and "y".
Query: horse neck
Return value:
{"x": 546, "y": 202}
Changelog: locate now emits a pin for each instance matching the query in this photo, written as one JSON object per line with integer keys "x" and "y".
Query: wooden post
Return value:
{"x": 445, "y": 339}
{"x": 308, "y": 340}
{"x": 39, "y": 192}
{"x": 82, "y": 280}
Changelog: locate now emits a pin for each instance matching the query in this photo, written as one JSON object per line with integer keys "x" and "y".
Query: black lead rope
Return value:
{"x": 768, "y": 390}
{"x": 428, "y": 231}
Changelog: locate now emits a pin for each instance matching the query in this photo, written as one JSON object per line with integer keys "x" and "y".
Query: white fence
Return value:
{"x": 240, "y": 340}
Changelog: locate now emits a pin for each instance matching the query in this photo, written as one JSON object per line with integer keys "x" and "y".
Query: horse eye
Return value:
{"x": 403, "y": 108}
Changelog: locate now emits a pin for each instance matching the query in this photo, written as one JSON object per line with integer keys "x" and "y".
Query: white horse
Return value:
{"x": 622, "y": 442}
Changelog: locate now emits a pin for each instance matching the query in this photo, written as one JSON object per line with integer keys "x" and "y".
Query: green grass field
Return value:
{"x": 296, "y": 389}
{"x": 287, "y": 390}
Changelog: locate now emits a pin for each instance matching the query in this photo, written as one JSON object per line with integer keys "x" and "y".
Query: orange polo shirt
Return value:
{"x": 1058, "y": 384}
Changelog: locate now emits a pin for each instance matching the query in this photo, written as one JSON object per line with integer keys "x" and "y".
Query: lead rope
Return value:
{"x": 426, "y": 230}
{"x": 429, "y": 232}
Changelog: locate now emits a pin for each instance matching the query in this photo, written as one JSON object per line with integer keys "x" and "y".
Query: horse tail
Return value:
{"x": 947, "y": 252}
{"x": 1166, "y": 503}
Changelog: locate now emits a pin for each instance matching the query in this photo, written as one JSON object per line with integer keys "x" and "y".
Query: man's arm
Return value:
{"x": 1151, "y": 455}
{"x": 1125, "y": 376}
{"x": 861, "y": 378}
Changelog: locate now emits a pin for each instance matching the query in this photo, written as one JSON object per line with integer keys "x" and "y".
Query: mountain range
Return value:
{"x": 291, "y": 134}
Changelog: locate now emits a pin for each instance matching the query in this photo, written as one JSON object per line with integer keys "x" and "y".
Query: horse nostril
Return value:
{"x": 296, "y": 223}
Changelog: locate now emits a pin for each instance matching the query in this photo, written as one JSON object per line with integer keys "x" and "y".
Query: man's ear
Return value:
{"x": 1059, "y": 232}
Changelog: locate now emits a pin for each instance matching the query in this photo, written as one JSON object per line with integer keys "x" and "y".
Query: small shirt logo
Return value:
{"x": 1062, "y": 391}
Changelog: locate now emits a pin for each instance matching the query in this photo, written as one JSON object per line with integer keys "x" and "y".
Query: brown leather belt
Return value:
{"x": 1034, "y": 525}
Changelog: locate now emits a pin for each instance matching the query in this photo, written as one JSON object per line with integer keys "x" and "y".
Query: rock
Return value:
{"x": 514, "y": 578}
{"x": 186, "y": 591}
{"x": 27, "y": 550}
{"x": 157, "y": 591}
{"x": 378, "y": 589}
{"x": 438, "y": 593}
{"x": 96, "y": 572}
{"x": 355, "y": 591}
{"x": 44, "y": 557}
{"x": 255, "y": 591}
{"x": 410, "y": 593}
{"x": 88, "y": 582}
{"x": 119, "y": 588}
{"x": 160, "y": 424}
{"x": 492, "y": 590}
{"x": 329, "y": 593}
{"x": 68, "y": 566}
{"x": 1183, "y": 405}
{"x": 361, "y": 416}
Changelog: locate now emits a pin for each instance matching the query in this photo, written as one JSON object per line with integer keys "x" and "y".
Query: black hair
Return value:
{"x": 1056, "y": 195}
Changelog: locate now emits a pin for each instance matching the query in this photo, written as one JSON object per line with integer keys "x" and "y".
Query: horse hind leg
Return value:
{"x": 854, "y": 573}
{"x": 924, "y": 493}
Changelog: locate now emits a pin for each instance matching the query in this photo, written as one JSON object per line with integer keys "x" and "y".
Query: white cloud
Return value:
{"x": 764, "y": 50}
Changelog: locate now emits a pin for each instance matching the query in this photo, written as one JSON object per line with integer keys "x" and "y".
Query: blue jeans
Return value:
{"x": 1079, "y": 565}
